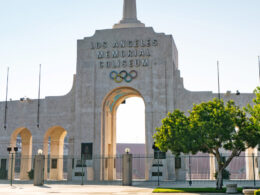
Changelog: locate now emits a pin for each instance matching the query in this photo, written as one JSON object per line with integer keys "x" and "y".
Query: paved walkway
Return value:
{"x": 72, "y": 190}
{"x": 29, "y": 189}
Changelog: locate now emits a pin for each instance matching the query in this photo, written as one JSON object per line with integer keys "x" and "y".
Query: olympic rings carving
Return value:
{"x": 123, "y": 76}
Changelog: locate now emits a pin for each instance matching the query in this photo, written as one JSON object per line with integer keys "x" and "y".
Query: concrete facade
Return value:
{"x": 112, "y": 65}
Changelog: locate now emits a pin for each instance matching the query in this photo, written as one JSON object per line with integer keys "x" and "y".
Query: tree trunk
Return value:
{"x": 220, "y": 179}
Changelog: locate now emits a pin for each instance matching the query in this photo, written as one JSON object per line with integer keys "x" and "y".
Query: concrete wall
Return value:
{"x": 153, "y": 56}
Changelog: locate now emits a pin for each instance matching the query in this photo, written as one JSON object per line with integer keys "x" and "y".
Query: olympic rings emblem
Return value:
{"x": 123, "y": 75}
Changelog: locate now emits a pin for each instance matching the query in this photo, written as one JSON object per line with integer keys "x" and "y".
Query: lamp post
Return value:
{"x": 190, "y": 182}
{"x": 9, "y": 149}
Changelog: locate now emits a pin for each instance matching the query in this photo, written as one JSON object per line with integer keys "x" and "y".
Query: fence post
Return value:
{"x": 190, "y": 182}
{"x": 253, "y": 156}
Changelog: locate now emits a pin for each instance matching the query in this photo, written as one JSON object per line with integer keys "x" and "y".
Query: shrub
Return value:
{"x": 3, "y": 174}
{"x": 257, "y": 192}
{"x": 31, "y": 174}
{"x": 225, "y": 174}
{"x": 192, "y": 190}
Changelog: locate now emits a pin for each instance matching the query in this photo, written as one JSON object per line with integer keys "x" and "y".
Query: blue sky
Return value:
{"x": 34, "y": 32}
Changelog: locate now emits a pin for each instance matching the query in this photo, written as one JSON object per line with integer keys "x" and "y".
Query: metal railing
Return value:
{"x": 186, "y": 168}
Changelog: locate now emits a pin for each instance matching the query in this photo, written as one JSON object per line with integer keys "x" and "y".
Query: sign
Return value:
{"x": 158, "y": 154}
{"x": 86, "y": 151}
{"x": 123, "y": 53}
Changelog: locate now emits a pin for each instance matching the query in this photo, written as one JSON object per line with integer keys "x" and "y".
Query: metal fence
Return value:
{"x": 183, "y": 168}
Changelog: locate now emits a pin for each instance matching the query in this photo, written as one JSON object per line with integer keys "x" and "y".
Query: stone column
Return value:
{"x": 170, "y": 163}
{"x": 127, "y": 169}
{"x": 56, "y": 164}
{"x": 129, "y": 11}
{"x": 45, "y": 152}
{"x": 212, "y": 167}
{"x": 26, "y": 158}
{"x": 181, "y": 172}
{"x": 38, "y": 170}
{"x": 148, "y": 137}
{"x": 70, "y": 158}
{"x": 129, "y": 16}
{"x": 251, "y": 171}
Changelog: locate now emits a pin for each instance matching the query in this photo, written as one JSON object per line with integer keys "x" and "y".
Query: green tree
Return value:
{"x": 254, "y": 110}
{"x": 209, "y": 127}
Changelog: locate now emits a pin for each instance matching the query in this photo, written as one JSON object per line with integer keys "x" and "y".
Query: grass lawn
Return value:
{"x": 181, "y": 190}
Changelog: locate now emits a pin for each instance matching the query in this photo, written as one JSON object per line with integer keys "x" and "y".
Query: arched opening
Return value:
{"x": 53, "y": 150}
{"x": 25, "y": 144}
{"x": 130, "y": 122}
{"x": 108, "y": 144}
{"x": 130, "y": 133}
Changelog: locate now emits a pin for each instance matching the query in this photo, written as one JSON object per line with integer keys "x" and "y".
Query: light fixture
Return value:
{"x": 40, "y": 151}
{"x": 15, "y": 149}
{"x": 228, "y": 93}
{"x": 127, "y": 150}
{"x": 9, "y": 149}
{"x": 236, "y": 128}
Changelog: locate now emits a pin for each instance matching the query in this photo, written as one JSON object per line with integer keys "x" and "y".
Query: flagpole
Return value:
{"x": 39, "y": 95}
{"x": 259, "y": 69}
{"x": 218, "y": 81}
{"x": 6, "y": 96}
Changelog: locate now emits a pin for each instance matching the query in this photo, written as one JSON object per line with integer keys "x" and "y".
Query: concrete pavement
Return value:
{"x": 72, "y": 190}
{"x": 28, "y": 189}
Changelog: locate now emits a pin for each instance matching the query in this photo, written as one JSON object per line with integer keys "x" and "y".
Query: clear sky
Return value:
{"x": 130, "y": 121}
{"x": 45, "y": 32}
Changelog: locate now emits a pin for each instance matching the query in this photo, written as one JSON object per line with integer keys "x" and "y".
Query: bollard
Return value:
{"x": 127, "y": 169}
{"x": 248, "y": 191}
{"x": 231, "y": 188}
{"x": 38, "y": 170}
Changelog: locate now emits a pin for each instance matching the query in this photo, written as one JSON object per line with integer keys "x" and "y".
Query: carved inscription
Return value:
{"x": 124, "y": 53}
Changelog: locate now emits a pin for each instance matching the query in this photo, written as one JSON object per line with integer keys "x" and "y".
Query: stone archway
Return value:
{"x": 56, "y": 135}
{"x": 26, "y": 153}
{"x": 108, "y": 139}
